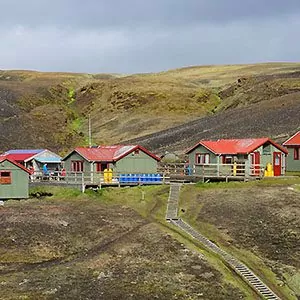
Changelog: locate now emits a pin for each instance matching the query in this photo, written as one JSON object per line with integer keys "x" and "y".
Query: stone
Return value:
{"x": 63, "y": 223}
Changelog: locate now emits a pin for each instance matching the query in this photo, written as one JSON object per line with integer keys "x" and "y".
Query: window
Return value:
{"x": 5, "y": 177}
{"x": 202, "y": 158}
{"x": 277, "y": 159}
{"x": 77, "y": 166}
{"x": 100, "y": 167}
{"x": 227, "y": 159}
{"x": 297, "y": 153}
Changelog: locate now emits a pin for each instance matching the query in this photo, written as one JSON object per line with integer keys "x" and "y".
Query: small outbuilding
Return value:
{"x": 251, "y": 155}
{"x": 119, "y": 158}
{"x": 35, "y": 159}
{"x": 293, "y": 158}
{"x": 14, "y": 179}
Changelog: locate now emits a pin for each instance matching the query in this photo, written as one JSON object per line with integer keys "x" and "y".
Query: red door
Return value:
{"x": 255, "y": 161}
{"x": 277, "y": 163}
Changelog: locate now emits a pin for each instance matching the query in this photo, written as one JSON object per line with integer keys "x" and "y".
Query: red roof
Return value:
{"x": 236, "y": 146}
{"x": 4, "y": 158}
{"x": 294, "y": 140}
{"x": 19, "y": 157}
{"x": 109, "y": 153}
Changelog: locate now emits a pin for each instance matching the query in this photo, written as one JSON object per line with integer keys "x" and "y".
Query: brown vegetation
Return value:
{"x": 85, "y": 248}
{"x": 259, "y": 223}
{"x": 51, "y": 109}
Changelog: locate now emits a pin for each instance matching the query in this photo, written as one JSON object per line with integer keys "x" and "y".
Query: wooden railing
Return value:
{"x": 162, "y": 176}
{"x": 214, "y": 170}
{"x": 229, "y": 170}
{"x": 99, "y": 178}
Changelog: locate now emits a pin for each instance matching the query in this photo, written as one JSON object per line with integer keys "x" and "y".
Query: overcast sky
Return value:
{"x": 132, "y": 36}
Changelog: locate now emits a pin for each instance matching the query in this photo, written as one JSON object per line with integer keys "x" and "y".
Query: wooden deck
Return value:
{"x": 169, "y": 173}
{"x": 213, "y": 172}
{"x": 97, "y": 180}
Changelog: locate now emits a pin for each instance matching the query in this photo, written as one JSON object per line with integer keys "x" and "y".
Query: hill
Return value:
{"x": 277, "y": 118}
{"x": 257, "y": 222}
{"x": 51, "y": 109}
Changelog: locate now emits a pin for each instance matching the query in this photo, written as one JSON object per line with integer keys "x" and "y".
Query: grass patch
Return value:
{"x": 55, "y": 192}
{"x": 290, "y": 173}
{"x": 271, "y": 181}
{"x": 146, "y": 200}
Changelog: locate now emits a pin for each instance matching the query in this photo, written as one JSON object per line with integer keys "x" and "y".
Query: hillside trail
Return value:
{"x": 238, "y": 267}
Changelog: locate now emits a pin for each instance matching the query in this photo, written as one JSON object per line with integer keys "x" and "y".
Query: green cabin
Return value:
{"x": 14, "y": 180}
{"x": 121, "y": 159}
{"x": 293, "y": 158}
{"x": 251, "y": 157}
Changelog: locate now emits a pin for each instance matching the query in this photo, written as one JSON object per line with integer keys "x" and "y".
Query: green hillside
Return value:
{"x": 51, "y": 109}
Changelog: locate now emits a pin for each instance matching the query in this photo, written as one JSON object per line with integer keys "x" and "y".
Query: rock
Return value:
{"x": 1, "y": 203}
{"x": 24, "y": 281}
{"x": 63, "y": 223}
{"x": 101, "y": 275}
{"x": 51, "y": 292}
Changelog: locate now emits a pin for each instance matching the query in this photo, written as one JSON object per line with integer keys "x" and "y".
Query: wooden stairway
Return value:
{"x": 241, "y": 269}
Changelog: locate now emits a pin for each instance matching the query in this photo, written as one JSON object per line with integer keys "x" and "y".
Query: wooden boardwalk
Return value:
{"x": 239, "y": 268}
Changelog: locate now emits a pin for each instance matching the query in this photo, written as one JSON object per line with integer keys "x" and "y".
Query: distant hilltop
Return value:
{"x": 166, "y": 110}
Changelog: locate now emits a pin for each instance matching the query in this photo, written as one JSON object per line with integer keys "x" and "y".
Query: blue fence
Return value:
{"x": 143, "y": 178}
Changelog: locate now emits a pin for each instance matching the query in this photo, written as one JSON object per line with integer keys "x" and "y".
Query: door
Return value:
{"x": 100, "y": 166}
{"x": 255, "y": 161}
{"x": 277, "y": 163}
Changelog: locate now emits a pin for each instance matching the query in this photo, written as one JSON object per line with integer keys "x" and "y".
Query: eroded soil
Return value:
{"x": 58, "y": 249}
{"x": 264, "y": 220}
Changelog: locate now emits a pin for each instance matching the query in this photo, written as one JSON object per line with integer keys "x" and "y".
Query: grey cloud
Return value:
{"x": 146, "y": 51}
{"x": 134, "y": 13}
{"x": 144, "y": 36}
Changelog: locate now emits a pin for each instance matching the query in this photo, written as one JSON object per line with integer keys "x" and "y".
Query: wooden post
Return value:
{"x": 82, "y": 183}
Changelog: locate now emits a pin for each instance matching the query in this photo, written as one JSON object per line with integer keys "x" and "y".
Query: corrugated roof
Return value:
{"x": 235, "y": 146}
{"x": 24, "y": 151}
{"x": 46, "y": 156}
{"x": 110, "y": 153}
{"x": 20, "y": 155}
{"x": 4, "y": 158}
{"x": 52, "y": 160}
{"x": 294, "y": 140}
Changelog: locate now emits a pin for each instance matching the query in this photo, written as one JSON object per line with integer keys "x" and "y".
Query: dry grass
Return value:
{"x": 126, "y": 107}
{"x": 73, "y": 246}
{"x": 257, "y": 222}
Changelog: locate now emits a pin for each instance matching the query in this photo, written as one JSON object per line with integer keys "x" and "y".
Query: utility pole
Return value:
{"x": 90, "y": 131}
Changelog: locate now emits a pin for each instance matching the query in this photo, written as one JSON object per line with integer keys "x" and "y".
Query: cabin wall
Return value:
{"x": 198, "y": 169}
{"x": 19, "y": 187}
{"x": 87, "y": 167}
{"x": 292, "y": 164}
{"x": 134, "y": 162}
{"x": 267, "y": 153}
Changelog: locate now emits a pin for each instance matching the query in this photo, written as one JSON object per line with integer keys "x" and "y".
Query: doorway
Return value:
{"x": 277, "y": 163}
